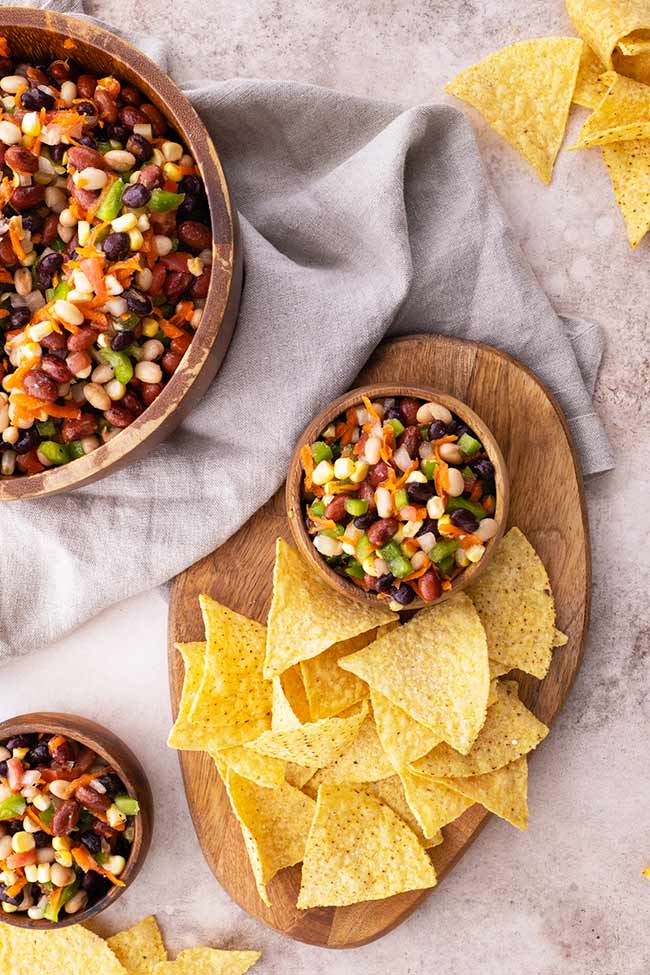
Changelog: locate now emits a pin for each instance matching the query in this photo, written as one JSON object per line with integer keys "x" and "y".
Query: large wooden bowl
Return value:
{"x": 109, "y": 747}
{"x": 39, "y": 35}
{"x": 294, "y": 495}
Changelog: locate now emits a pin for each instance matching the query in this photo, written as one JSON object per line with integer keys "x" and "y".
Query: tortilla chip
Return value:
{"x": 316, "y": 744}
{"x": 203, "y": 736}
{"x": 330, "y": 689}
{"x": 509, "y": 732}
{"x": 498, "y": 670}
{"x": 283, "y": 715}
{"x": 359, "y": 850}
{"x": 298, "y": 775}
{"x": 274, "y": 824}
{"x": 621, "y": 116}
{"x": 503, "y": 792}
{"x": 603, "y": 23}
{"x": 208, "y": 961}
{"x": 391, "y": 792}
{"x": 139, "y": 948}
{"x": 60, "y": 951}
{"x": 560, "y": 639}
{"x": 402, "y": 737}
{"x": 265, "y": 771}
{"x": 638, "y": 42}
{"x": 294, "y": 693}
{"x": 432, "y": 804}
{"x": 524, "y": 91}
{"x": 514, "y": 600}
{"x": 435, "y": 668}
{"x": 307, "y": 616}
{"x": 637, "y": 66}
{"x": 589, "y": 90}
{"x": 363, "y": 761}
{"x": 628, "y": 164}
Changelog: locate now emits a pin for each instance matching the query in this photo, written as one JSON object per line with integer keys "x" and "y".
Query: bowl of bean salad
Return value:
{"x": 399, "y": 494}
{"x": 76, "y": 817}
{"x": 120, "y": 271}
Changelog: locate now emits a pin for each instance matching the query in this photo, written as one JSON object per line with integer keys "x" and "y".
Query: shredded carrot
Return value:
{"x": 371, "y": 410}
{"x": 55, "y": 897}
{"x": 388, "y": 443}
{"x": 324, "y": 524}
{"x": 71, "y": 787}
{"x": 4, "y": 48}
{"x": 170, "y": 330}
{"x": 488, "y": 504}
{"x": 35, "y": 818}
{"x": 83, "y": 858}
{"x": 308, "y": 465}
{"x": 4, "y": 313}
{"x": 30, "y": 404}
{"x": 16, "y": 888}
{"x": 410, "y": 547}
{"x": 418, "y": 572}
{"x": 55, "y": 743}
{"x": 409, "y": 470}
{"x": 468, "y": 540}
{"x": 476, "y": 491}
{"x": 16, "y": 242}
{"x": 5, "y": 277}
{"x": 15, "y": 379}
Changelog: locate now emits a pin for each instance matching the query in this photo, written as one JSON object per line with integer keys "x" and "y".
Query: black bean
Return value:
{"x": 140, "y": 147}
{"x": 428, "y": 525}
{"x": 94, "y": 885}
{"x": 33, "y": 222}
{"x": 457, "y": 427}
{"x": 41, "y": 839}
{"x": 3, "y": 769}
{"x": 91, "y": 841}
{"x": 462, "y": 518}
{"x": 363, "y": 522}
{"x": 39, "y": 754}
{"x": 191, "y": 185}
{"x": 392, "y": 413}
{"x": 121, "y": 341}
{"x": 112, "y": 783}
{"x": 4, "y": 896}
{"x": 13, "y": 826}
{"x": 420, "y": 492}
{"x": 384, "y": 583}
{"x": 402, "y": 594}
{"x": 85, "y": 108}
{"x": 87, "y": 140}
{"x": 437, "y": 430}
{"x": 57, "y": 153}
{"x": 47, "y": 267}
{"x": 119, "y": 133}
{"x": 20, "y": 315}
{"x": 137, "y": 302}
{"x": 116, "y": 246}
{"x": 136, "y": 195}
{"x": 27, "y": 440}
{"x": 21, "y": 741}
{"x": 123, "y": 847}
{"x": 192, "y": 208}
{"x": 482, "y": 467}
{"x": 35, "y": 99}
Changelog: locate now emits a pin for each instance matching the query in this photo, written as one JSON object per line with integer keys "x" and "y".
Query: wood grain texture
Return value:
{"x": 38, "y": 35}
{"x": 293, "y": 488}
{"x": 115, "y": 753}
{"x": 546, "y": 502}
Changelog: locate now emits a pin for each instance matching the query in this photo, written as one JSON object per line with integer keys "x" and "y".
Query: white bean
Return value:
{"x": 120, "y": 160}
{"x": 102, "y": 373}
{"x": 450, "y": 453}
{"x": 10, "y": 133}
{"x": 11, "y": 83}
{"x": 327, "y": 546}
{"x": 90, "y": 178}
{"x": 486, "y": 530}
{"x": 153, "y": 349}
{"x": 148, "y": 372}
{"x": 56, "y": 200}
{"x": 372, "y": 450}
{"x": 429, "y": 412}
{"x": 97, "y": 396}
{"x": 456, "y": 483}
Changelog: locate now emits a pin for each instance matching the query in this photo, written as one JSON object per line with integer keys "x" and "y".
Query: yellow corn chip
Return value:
{"x": 307, "y": 616}
{"x": 514, "y": 600}
{"x": 637, "y": 66}
{"x": 510, "y": 731}
{"x": 560, "y": 639}
{"x": 359, "y": 850}
{"x": 363, "y": 761}
{"x": 207, "y": 961}
{"x": 283, "y": 715}
{"x": 435, "y": 668}
{"x": 628, "y": 164}
{"x": 274, "y": 824}
{"x": 603, "y": 23}
{"x": 139, "y": 948}
{"x": 497, "y": 670}
{"x": 62, "y": 951}
{"x": 638, "y": 42}
{"x": 316, "y": 744}
{"x": 294, "y": 692}
{"x": 589, "y": 90}
{"x": 433, "y": 805}
{"x": 524, "y": 91}
{"x": 402, "y": 737}
{"x": 205, "y": 735}
{"x": 262, "y": 769}
{"x": 391, "y": 792}
{"x": 503, "y": 792}
{"x": 621, "y": 116}
{"x": 330, "y": 689}
{"x": 298, "y": 775}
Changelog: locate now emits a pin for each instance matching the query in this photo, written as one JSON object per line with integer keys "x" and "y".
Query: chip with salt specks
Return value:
{"x": 638, "y": 42}
{"x": 503, "y": 792}
{"x": 283, "y": 716}
{"x": 628, "y": 164}
{"x": 203, "y": 734}
{"x": 208, "y": 961}
{"x": 402, "y": 737}
{"x": 330, "y": 689}
{"x": 560, "y": 639}
{"x": 435, "y": 668}
{"x": 524, "y": 91}
{"x": 622, "y": 115}
{"x": 139, "y": 948}
{"x": 589, "y": 90}
{"x": 510, "y": 731}
{"x": 636, "y": 66}
{"x": 359, "y": 850}
{"x": 62, "y": 951}
{"x": 603, "y": 23}
{"x": 363, "y": 761}
{"x": 298, "y": 775}
{"x": 514, "y": 600}
{"x": 314, "y": 745}
{"x": 274, "y": 824}
{"x": 391, "y": 792}
{"x": 432, "y": 804}
{"x": 262, "y": 769}
{"x": 293, "y": 690}
{"x": 307, "y": 616}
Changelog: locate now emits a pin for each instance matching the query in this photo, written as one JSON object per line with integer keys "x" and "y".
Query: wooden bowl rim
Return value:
{"x": 177, "y": 108}
{"x": 293, "y": 488}
{"x": 120, "y": 756}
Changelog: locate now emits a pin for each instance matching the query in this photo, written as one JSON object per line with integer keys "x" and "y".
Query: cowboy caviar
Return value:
{"x": 105, "y": 255}
{"x": 66, "y": 826}
{"x": 399, "y": 497}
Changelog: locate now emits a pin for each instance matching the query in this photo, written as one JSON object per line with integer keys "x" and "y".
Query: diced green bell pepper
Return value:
{"x": 354, "y": 569}
{"x": 395, "y": 559}
{"x": 162, "y": 201}
{"x": 424, "y": 433}
{"x": 447, "y": 566}
{"x": 469, "y": 445}
{"x": 46, "y": 815}
{"x": 58, "y": 246}
{"x": 122, "y": 365}
{"x": 56, "y": 453}
{"x": 61, "y": 291}
{"x": 12, "y": 807}
{"x": 397, "y": 426}
{"x": 76, "y": 450}
{"x": 320, "y": 451}
{"x": 468, "y": 473}
{"x": 112, "y": 202}
{"x": 125, "y": 323}
{"x": 51, "y": 912}
{"x": 46, "y": 428}
{"x": 428, "y": 468}
{"x": 175, "y": 243}
{"x": 401, "y": 498}
{"x": 453, "y": 504}
{"x": 364, "y": 548}
{"x": 335, "y": 532}
{"x": 442, "y": 549}
{"x": 317, "y": 509}
{"x": 356, "y": 506}
{"x": 127, "y": 805}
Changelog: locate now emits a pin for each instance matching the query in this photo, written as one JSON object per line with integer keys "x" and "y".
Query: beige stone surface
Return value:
{"x": 567, "y": 896}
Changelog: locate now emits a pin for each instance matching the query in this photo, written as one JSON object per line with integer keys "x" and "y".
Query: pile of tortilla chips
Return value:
{"x": 138, "y": 951}
{"x": 347, "y": 741}
{"x": 525, "y": 92}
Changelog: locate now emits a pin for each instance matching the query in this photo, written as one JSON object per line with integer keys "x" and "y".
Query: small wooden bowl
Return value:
{"x": 295, "y": 504}
{"x": 38, "y": 35}
{"x": 109, "y": 747}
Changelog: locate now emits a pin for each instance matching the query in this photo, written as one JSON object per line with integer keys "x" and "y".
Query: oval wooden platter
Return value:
{"x": 547, "y": 503}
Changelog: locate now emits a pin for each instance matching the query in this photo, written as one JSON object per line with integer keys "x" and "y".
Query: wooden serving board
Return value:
{"x": 547, "y": 503}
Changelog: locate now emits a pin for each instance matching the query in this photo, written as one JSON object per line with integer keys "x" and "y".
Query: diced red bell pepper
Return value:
{"x": 15, "y": 773}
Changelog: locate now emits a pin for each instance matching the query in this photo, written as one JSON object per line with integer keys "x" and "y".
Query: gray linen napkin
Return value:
{"x": 359, "y": 219}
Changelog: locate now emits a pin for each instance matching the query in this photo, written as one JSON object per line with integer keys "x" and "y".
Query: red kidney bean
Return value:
{"x": 83, "y": 426}
{"x": 91, "y": 799}
{"x": 411, "y": 439}
{"x": 117, "y": 416}
{"x": 158, "y": 276}
{"x": 170, "y": 362}
{"x": 38, "y": 384}
{"x": 201, "y": 285}
{"x": 176, "y": 261}
{"x": 151, "y": 176}
{"x": 429, "y": 586}
{"x": 66, "y": 818}
{"x": 130, "y": 116}
{"x": 59, "y": 71}
{"x": 55, "y": 342}
{"x": 366, "y": 493}
{"x": 77, "y": 362}
{"x": 63, "y": 753}
{"x": 378, "y": 473}
{"x": 382, "y": 530}
{"x": 81, "y": 157}
{"x": 336, "y": 508}
{"x": 7, "y": 255}
{"x": 85, "y": 198}
{"x": 56, "y": 368}
{"x": 25, "y": 197}
{"x": 131, "y": 96}
{"x": 150, "y": 391}
{"x": 106, "y": 107}
{"x": 195, "y": 235}
{"x": 83, "y": 339}
{"x": 176, "y": 285}
{"x": 86, "y": 84}
{"x": 163, "y": 223}
{"x": 131, "y": 401}
{"x": 36, "y": 76}
{"x": 21, "y": 160}
{"x": 409, "y": 410}
{"x": 50, "y": 229}
{"x": 156, "y": 118}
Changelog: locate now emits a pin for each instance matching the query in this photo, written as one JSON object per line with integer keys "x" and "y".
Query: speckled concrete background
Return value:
{"x": 568, "y": 896}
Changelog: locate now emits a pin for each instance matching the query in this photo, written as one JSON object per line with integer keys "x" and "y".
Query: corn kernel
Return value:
{"x": 411, "y": 528}
{"x": 136, "y": 240}
{"x": 115, "y": 865}
{"x": 22, "y": 842}
{"x": 461, "y": 557}
{"x": 158, "y": 158}
{"x": 8, "y": 908}
{"x": 444, "y": 524}
{"x": 115, "y": 818}
{"x": 83, "y": 232}
{"x": 149, "y": 327}
{"x": 173, "y": 172}
{"x": 44, "y": 871}
{"x": 195, "y": 266}
{"x": 361, "y": 469}
{"x": 124, "y": 223}
{"x": 41, "y": 802}
{"x": 435, "y": 507}
{"x": 61, "y": 843}
{"x": 64, "y": 857}
{"x": 475, "y": 552}
{"x": 323, "y": 473}
{"x": 20, "y": 753}
{"x": 40, "y": 330}
{"x": 343, "y": 468}
{"x": 28, "y": 824}
{"x": 8, "y": 878}
{"x": 31, "y": 124}
{"x": 349, "y": 548}
{"x": 416, "y": 477}
{"x": 172, "y": 151}
{"x": 31, "y": 873}
{"x": 368, "y": 566}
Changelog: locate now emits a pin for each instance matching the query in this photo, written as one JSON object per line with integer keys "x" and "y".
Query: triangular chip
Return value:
{"x": 330, "y": 689}
{"x": 274, "y": 823}
{"x": 298, "y": 775}
{"x": 283, "y": 715}
{"x": 203, "y": 735}
{"x": 363, "y": 761}
{"x": 435, "y": 668}
{"x": 433, "y": 805}
{"x": 60, "y": 951}
{"x": 262, "y": 769}
{"x": 503, "y": 792}
{"x": 498, "y": 670}
{"x": 589, "y": 90}
{"x": 510, "y": 731}
{"x": 603, "y": 23}
{"x": 637, "y": 66}
{"x": 514, "y": 600}
{"x": 208, "y": 961}
{"x": 391, "y": 792}
{"x": 307, "y": 616}
{"x": 560, "y": 639}
{"x": 139, "y": 948}
{"x": 359, "y": 850}
{"x": 316, "y": 744}
{"x": 402, "y": 737}
{"x": 524, "y": 91}
{"x": 293, "y": 689}
{"x": 638, "y": 42}
{"x": 628, "y": 164}
{"x": 622, "y": 115}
